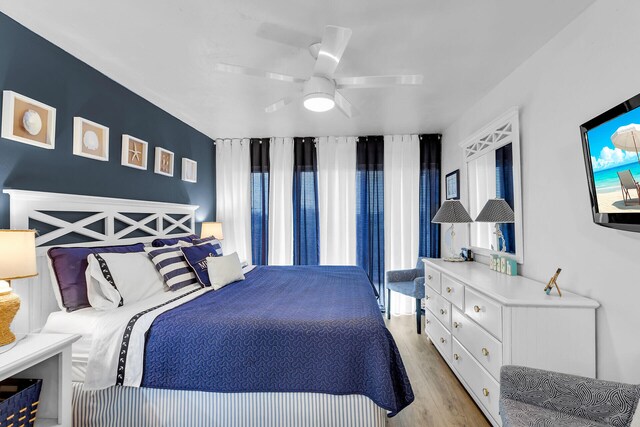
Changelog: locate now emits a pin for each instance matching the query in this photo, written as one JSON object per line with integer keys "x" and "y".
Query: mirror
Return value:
{"x": 492, "y": 159}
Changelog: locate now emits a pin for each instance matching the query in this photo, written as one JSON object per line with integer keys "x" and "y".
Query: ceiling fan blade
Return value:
{"x": 378, "y": 81}
{"x": 247, "y": 71}
{"x": 344, "y": 105}
{"x": 334, "y": 42}
{"x": 279, "y": 104}
{"x": 285, "y": 36}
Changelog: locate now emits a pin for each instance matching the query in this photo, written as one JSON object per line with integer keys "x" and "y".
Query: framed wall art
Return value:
{"x": 134, "y": 152}
{"x": 28, "y": 121}
{"x": 164, "y": 162}
{"x": 189, "y": 170}
{"x": 90, "y": 139}
{"x": 452, "y": 185}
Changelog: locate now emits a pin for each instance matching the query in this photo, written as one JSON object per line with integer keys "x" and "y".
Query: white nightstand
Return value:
{"x": 48, "y": 357}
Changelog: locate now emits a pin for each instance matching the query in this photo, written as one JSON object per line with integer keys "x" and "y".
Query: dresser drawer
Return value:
{"x": 483, "y": 347}
{"x": 486, "y": 389}
{"x": 486, "y": 312}
{"x": 453, "y": 291}
{"x": 439, "y": 306}
{"x": 439, "y": 335}
{"x": 432, "y": 278}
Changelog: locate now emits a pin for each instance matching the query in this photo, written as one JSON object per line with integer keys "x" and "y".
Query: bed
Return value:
{"x": 285, "y": 346}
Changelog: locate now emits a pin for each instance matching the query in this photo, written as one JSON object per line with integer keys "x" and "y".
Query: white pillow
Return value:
{"x": 224, "y": 270}
{"x": 120, "y": 279}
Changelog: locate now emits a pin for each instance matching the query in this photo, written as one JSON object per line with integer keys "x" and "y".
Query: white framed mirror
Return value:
{"x": 491, "y": 159}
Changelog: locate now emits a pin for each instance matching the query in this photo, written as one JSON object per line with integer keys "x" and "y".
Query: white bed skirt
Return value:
{"x": 128, "y": 406}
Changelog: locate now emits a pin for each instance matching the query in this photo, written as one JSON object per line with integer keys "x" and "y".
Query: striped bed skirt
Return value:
{"x": 130, "y": 406}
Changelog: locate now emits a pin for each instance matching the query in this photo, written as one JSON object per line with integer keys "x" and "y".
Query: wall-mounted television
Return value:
{"x": 611, "y": 146}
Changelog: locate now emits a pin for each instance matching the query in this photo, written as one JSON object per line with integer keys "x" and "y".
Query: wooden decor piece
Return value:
{"x": 189, "y": 170}
{"x": 164, "y": 162}
{"x": 552, "y": 283}
{"x": 134, "y": 152}
{"x": 90, "y": 139}
{"x": 28, "y": 121}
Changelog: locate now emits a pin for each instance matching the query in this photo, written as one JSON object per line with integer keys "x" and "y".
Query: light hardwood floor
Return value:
{"x": 440, "y": 399}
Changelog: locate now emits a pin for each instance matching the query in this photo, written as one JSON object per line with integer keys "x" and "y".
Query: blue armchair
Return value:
{"x": 532, "y": 397}
{"x": 407, "y": 282}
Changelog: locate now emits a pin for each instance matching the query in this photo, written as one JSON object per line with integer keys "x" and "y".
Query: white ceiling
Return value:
{"x": 165, "y": 51}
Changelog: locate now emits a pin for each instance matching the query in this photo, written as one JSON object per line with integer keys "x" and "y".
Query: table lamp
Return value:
{"x": 17, "y": 261}
{"x": 452, "y": 212}
{"x": 212, "y": 229}
{"x": 499, "y": 212}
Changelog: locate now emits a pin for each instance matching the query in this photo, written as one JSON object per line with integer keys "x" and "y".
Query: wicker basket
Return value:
{"x": 19, "y": 400}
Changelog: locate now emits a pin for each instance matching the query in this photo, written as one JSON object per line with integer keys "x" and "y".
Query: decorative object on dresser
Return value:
{"x": 90, "y": 139}
{"x": 17, "y": 261}
{"x": 499, "y": 212}
{"x": 452, "y": 185}
{"x": 164, "y": 162}
{"x": 212, "y": 229}
{"x": 480, "y": 320}
{"x": 452, "y": 212}
{"x": 189, "y": 170}
{"x": 134, "y": 152}
{"x": 552, "y": 283}
{"x": 28, "y": 121}
{"x": 46, "y": 357}
{"x": 410, "y": 283}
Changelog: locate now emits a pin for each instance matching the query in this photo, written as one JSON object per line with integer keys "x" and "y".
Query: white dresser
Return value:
{"x": 480, "y": 319}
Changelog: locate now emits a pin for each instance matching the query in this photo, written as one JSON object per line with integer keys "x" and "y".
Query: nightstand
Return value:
{"x": 48, "y": 357}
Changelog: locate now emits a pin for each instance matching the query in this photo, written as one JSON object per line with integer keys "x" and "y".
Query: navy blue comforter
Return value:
{"x": 282, "y": 329}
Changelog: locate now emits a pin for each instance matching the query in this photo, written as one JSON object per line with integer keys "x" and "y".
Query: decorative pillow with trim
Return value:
{"x": 197, "y": 256}
{"x": 158, "y": 243}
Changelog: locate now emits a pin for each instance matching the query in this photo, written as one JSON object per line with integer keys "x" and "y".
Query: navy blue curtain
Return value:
{"x": 306, "y": 248}
{"x": 430, "y": 154}
{"x": 504, "y": 190}
{"x": 259, "y": 150}
{"x": 370, "y": 210}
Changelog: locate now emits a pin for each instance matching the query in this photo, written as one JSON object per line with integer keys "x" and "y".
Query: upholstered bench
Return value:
{"x": 532, "y": 397}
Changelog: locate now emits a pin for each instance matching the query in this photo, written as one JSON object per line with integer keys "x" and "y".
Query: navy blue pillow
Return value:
{"x": 69, "y": 266}
{"x": 158, "y": 243}
{"x": 196, "y": 257}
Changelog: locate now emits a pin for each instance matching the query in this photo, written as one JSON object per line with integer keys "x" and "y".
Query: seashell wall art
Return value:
{"x": 90, "y": 139}
{"x": 28, "y": 121}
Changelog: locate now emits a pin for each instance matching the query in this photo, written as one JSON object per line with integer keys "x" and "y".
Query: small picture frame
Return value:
{"x": 28, "y": 121}
{"x": 452, "y": 185}
{"x": 135, "y": 152}
{"x": 90, "y": 139}
{"x": 164, "y": 162}
{"x": 189, "y": 170}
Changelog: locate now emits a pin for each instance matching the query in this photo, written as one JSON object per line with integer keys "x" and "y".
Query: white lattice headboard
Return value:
{"x": 75, "y": 220}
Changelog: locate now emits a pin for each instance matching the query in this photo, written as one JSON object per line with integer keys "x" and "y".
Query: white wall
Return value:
{"x": 590, "y": 66}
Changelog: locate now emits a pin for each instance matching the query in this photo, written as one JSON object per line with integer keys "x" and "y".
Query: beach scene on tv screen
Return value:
{"x": 615, "y": 158}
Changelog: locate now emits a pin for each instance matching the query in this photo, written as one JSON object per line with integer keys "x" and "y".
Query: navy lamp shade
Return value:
{"x": 497, "y": 211}
{"x": 452, "y": 212}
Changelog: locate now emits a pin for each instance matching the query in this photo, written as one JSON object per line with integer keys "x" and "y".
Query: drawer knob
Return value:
{"x": 443, "y": 311}
{"x": 456, "y": 325}
{"x": 442, "y": 340}
{"x": 449, "y": 290}
{"x": 485, "y": 352}
{"x": 427, "y": 321}
{"x": 429, "y": 277}
{"x": 476, "y": 308}
{"x": 485, "y": 392}
{"x": 426, "y": 297}
{"x": 455, "y": 356}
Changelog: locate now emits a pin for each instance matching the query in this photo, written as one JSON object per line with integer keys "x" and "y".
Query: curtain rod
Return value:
{"x": 420, "y": 135}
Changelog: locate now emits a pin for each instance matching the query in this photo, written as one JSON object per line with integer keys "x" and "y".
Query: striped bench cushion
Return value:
{"x": 173, "y": 267}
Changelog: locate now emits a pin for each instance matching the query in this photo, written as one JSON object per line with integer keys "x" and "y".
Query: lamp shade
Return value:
{"x": 210, "y": 229}
{"x": 17, "y": 254}
{"x": 496, "y": 210}
{"x": 452, "y": 212}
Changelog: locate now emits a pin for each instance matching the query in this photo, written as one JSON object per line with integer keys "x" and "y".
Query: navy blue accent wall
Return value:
{"x": 34, "y": 67}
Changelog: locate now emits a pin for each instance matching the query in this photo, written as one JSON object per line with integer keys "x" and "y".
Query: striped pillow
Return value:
{"x": 173, "y": 267}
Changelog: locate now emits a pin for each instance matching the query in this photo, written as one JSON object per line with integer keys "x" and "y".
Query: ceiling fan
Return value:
{"x": 320, "y": 91}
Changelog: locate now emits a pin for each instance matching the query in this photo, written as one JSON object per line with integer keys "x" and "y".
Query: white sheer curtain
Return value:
{"x": 233, "y": 195}
{"x": 401, "y": 209}
{"x": 281, "y": 201}
{"x": 337, "y": 200}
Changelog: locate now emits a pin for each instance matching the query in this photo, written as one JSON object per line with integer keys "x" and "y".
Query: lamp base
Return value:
{"x": 9, "y": 305}
{"x": 454, "y": 259}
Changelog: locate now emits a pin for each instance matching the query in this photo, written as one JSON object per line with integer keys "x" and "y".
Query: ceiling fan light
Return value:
{"x": 319, "y": 102}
